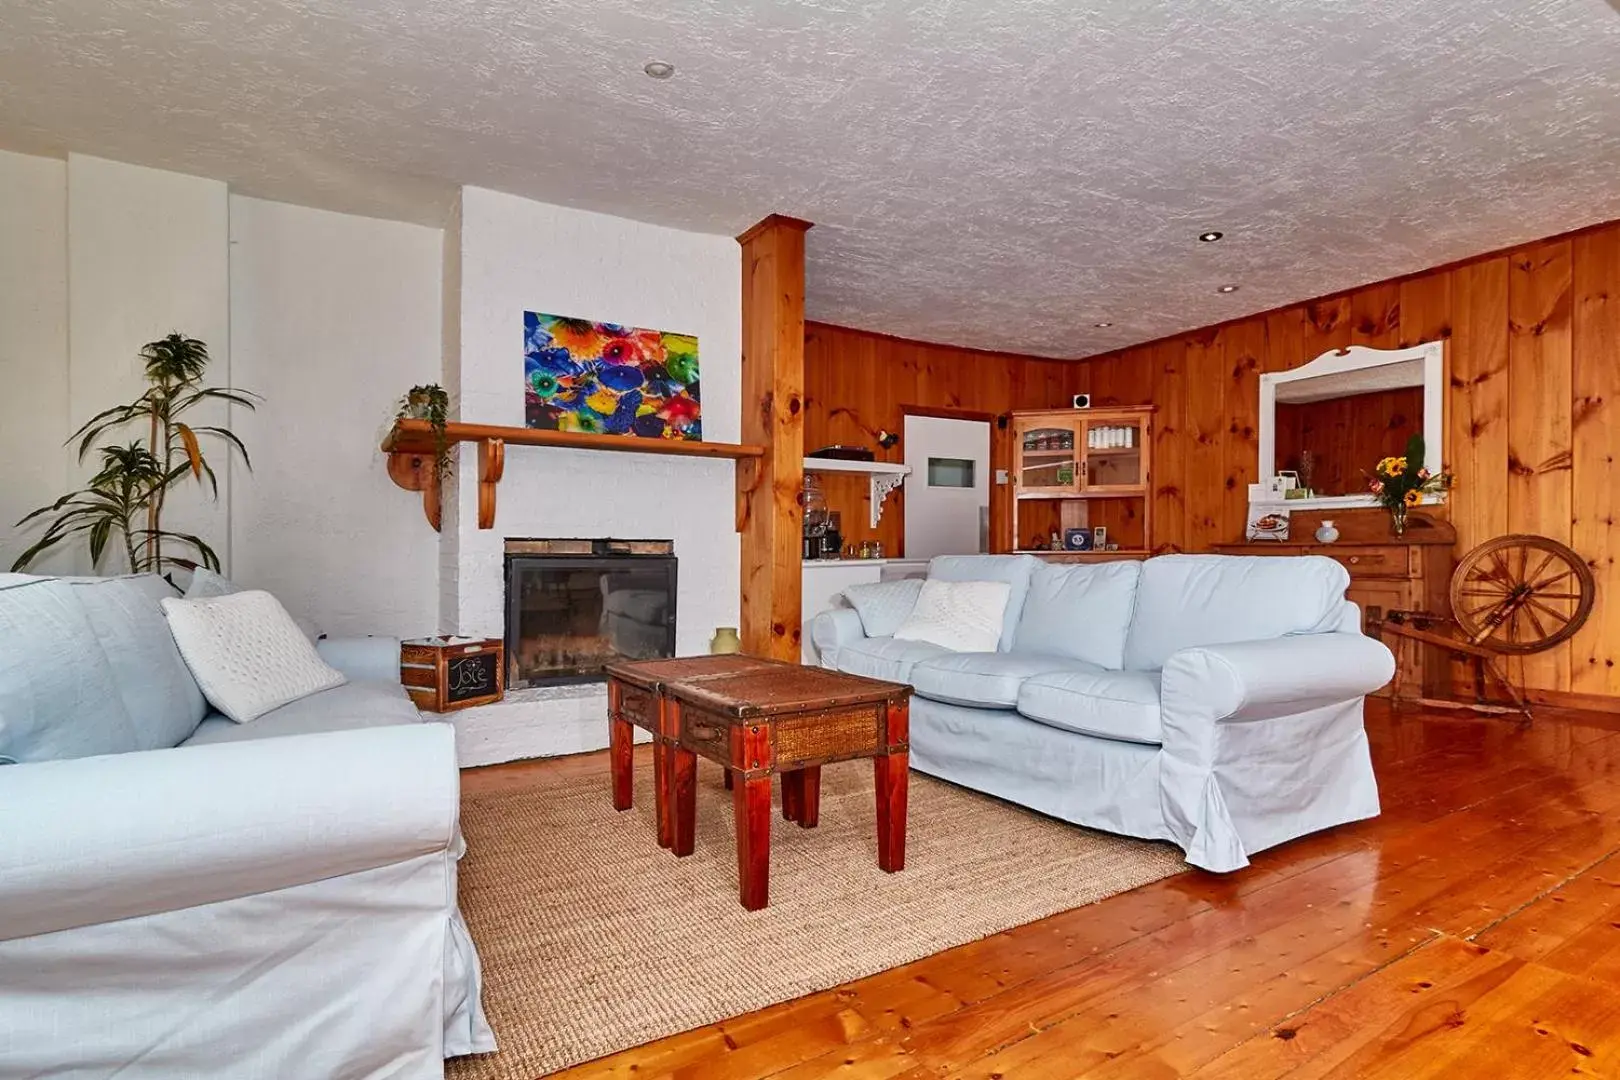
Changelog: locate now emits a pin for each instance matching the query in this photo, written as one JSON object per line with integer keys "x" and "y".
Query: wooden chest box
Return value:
{"x": 444, "y": 674}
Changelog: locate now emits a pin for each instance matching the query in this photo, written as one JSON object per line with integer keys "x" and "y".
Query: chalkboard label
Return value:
{"x": 472, "y": 676}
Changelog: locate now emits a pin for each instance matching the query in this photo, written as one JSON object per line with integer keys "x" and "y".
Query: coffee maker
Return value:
{"x": 832, "y": 539}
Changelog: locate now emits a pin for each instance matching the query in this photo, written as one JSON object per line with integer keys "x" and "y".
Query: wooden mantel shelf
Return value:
{"x": 411, "y": 445}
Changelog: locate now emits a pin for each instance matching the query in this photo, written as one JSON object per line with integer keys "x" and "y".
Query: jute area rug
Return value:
{"x": 595, "y": 939}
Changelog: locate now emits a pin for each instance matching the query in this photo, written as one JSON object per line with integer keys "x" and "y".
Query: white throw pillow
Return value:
{"x": 963, "y": 616}
{"x": 883, "y": 605}
{"x": 247, "y": 653}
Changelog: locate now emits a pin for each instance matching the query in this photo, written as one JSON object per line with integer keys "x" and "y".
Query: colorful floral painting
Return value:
{"x": 608, "y": 379}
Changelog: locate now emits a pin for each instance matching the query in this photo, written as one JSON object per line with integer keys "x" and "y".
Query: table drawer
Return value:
{"x": 1370, "y": 562}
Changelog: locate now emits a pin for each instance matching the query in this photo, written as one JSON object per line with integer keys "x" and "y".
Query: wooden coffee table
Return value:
{"x": 785, "y": 720}
{"x": 636, "y": 700}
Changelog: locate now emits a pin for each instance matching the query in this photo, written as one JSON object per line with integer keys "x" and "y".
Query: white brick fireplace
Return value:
{"x": 505, "y": 255}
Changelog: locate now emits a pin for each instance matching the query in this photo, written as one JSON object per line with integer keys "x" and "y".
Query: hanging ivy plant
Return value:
{"x": 431, "y": 403}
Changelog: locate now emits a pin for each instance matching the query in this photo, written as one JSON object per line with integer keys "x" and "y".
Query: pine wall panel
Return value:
{"x": 858, "y": 384}
{"x": 1533, "y": 362}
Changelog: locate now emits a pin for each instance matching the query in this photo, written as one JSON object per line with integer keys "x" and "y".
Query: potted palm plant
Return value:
{"x": 125, "y": 497}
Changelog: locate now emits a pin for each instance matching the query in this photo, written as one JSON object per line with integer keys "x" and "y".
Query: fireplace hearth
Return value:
{"x": 573, "y": 606}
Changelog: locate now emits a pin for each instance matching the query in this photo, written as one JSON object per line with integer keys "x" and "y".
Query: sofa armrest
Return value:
{"x": 1256, "y": 680}
{"x": 362, "y": 659}
{"x": 93, "y": 840}
{"x": 833, "y": 629}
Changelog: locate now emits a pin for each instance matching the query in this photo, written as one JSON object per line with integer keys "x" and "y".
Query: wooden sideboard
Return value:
{"x": 1387, "y": 573}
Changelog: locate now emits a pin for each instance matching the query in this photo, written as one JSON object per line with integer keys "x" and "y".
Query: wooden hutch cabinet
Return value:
{"x": 1083, "y": 469}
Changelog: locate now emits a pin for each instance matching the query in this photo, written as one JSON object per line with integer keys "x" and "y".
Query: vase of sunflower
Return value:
{"x": 1400, "y": 483}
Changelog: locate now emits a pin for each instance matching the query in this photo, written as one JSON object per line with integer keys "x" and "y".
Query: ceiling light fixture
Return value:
{"x": 1227, "y": 289}
{"x": 659, "y": 69}
{"x": 1211, "y": 236}
{"x": 1102, "y": 325}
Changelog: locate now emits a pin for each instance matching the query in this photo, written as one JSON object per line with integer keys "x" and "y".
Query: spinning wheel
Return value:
{"x": 1521, "y": 594}
{"x": 1511, "y": 596}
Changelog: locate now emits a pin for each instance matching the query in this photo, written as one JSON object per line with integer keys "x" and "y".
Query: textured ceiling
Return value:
{"x": 996, "y": 173}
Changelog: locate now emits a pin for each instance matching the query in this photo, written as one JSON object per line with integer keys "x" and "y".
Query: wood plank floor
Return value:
{"x": 1473, "y": 930}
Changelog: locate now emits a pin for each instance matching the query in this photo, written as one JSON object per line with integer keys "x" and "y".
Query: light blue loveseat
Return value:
{"x": 181, "y": 895}
{"x": 1214, "y": 701}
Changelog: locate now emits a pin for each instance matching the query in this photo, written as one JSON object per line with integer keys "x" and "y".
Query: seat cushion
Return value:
{"x": 885, "y": 658}
{"x": 352, "y": 705}
{"x": 57, "y": 694}
{"x": 1120, "y": 705}
{"x": 164, "y": 702}
{"x": 1184, "y": 601}
{"x": 986, "y": 680}
{"x": 1015, "y": 570}
{"x": 1080, "y": 610}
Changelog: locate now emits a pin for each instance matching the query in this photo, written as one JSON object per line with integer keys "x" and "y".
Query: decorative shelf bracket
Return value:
{"x": 882, "y": 484}
{"x": 883, "y": 477}
{"x": 418, "y": 472}
{"x": 491, "y": 466}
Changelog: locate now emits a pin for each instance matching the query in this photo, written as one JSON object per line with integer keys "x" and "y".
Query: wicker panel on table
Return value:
{"x": 829, "y": 735}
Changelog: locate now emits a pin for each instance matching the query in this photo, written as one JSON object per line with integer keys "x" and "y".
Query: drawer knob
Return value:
{"x": 1355, "y": 558}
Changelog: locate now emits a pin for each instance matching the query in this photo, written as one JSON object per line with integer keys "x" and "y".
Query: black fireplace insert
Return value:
{"x": 573, "y": 606}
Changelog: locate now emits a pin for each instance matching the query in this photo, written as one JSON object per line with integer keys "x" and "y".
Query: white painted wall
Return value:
{"x": 147, "y": 255}
{"x": 33, "y": 346}
{"x": 518, "y": 255}
{"x": 333, "y": 317}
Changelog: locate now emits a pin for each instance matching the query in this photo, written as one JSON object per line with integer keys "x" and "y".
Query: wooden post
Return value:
{"x": 769, "y": 514}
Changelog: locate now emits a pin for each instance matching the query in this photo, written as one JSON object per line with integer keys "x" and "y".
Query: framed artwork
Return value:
{"x": 1077, "y": 539}
{"x": 607, "y": 379}
{"x": 1267, "y": 525}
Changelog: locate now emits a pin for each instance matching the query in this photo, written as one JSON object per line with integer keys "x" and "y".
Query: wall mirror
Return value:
{"x": 1325, "y": 423}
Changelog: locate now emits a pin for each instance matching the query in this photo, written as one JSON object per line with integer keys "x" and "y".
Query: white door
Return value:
{"x": 948, "y": 491}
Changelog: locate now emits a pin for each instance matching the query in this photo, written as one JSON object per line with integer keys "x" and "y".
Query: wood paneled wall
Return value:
{"x": 859, "y": 383}
{"x": 1532, "y": 427}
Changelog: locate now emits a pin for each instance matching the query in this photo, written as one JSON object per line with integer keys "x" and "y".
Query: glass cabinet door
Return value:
{"x": 1049, "y": 453}
{"x": 1112, "y": 454}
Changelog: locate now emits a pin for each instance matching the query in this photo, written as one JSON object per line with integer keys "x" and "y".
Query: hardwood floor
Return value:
{"x": 1473, "y": 930}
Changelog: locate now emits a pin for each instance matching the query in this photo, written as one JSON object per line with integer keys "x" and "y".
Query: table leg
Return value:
{"x": 892, "y": 772}
{"x": 751, "y": 804}
{"x": 663, "y": 763}
{"x": 662, "y": 760}
{"x": 793, "y": 795}
{"x": 621, "y": 745}
{"x": 683, "y": 799}
{"x": 810, "y": 806}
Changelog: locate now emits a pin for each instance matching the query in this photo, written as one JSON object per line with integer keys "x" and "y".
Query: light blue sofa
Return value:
{"x": 1213, "y": 701}
{"x": 181, "y": 895}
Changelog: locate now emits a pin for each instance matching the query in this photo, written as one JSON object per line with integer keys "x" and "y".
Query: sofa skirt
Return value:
{"x": 1100, "y": 783}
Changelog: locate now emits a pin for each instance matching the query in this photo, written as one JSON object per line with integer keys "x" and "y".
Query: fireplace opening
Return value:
{"x": 574, "y": 605}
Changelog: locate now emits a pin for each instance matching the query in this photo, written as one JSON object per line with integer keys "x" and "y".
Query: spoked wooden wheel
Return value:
{"x": 1521, "y": 594}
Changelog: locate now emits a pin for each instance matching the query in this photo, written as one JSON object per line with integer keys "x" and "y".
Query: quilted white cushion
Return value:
{"x": 963, "y": 616}
{"x": 247, "y": 653}
{"x": 883, "y": 605}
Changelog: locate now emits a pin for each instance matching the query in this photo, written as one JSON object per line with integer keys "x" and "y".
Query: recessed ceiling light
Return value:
{"x": 1211, "y": 236}
{"x": 1227, "y": 289}
{"x": 1102, "y": 325}
{"x": 659, "y": 69}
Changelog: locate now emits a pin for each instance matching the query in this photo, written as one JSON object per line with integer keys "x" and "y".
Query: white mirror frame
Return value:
{"x": 1334, "y": 362}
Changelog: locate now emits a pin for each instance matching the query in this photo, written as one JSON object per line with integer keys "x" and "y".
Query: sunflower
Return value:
{"x": 1394, "y": 466}
{"x": 1413, "y": 498}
